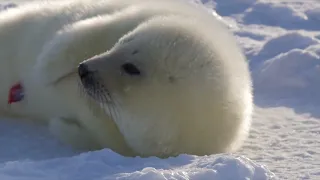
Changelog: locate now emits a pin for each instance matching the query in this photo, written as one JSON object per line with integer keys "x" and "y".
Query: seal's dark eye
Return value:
{"x": 135, "y": 52}
{"x": 131, "y": 69}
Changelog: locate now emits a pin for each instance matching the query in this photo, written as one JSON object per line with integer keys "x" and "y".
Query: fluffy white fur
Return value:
{"x": 193, "y": 95}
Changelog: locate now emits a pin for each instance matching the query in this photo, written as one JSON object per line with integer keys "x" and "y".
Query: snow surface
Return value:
{"x": 281, "y": 39}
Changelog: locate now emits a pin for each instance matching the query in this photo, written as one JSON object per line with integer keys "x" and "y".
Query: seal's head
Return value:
{"x": 169, "y": 90}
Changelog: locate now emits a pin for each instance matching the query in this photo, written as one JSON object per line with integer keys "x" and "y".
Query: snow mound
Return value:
{"x": 315, "y": 49}
{"x": 230, "y": 7}
{"x": 105, "y": 165}
{"x": 284, "y": 43}
{"x": 288, "y": 66}
{"x": 7, "y": 6}
{"x": 273, "y": 15}
{"x": 314, "y": 14}
{"x": 290, "y": 74}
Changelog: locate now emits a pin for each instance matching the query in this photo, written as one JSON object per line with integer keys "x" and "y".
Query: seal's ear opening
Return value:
{"x": 130, "y": 69}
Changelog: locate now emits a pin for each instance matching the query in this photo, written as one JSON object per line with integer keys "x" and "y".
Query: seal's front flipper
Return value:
{"x": 69, "y": 131}
{"x": 62, "y": 55}
{"x": 55, "y": 63}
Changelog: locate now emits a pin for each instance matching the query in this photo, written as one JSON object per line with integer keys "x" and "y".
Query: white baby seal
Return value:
{"x": 141, "y": 77}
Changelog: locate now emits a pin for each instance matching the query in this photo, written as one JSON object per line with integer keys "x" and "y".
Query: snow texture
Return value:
{"x": 281, "y": 40}
{"x": 31, "y": 154}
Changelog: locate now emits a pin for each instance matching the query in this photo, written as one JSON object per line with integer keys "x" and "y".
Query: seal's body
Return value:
{"x": 140, "y": 77}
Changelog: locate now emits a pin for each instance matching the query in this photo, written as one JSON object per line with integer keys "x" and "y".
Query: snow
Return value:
{"x": 106, "y": 164}
{"x": 282, "y": 42}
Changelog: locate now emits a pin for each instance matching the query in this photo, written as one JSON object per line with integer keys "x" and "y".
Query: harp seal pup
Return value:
{"x": 141, "y": 77}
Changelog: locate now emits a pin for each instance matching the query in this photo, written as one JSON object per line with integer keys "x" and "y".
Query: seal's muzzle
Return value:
{"x": 92, "y": 83}
{"x": 83, "y": 70}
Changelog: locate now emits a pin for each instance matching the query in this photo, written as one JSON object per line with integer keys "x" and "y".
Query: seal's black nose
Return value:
{"x": 83, "y": 70}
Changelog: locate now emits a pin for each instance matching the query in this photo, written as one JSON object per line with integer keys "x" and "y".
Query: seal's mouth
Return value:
{"x": 92, "y": 84}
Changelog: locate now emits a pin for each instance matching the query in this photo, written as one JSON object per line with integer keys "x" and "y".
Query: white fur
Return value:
{"x": 194, "y": 95}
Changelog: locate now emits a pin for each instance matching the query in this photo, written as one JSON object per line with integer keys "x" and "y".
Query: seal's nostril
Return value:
{"x": 83, "y": 70}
